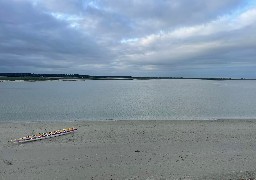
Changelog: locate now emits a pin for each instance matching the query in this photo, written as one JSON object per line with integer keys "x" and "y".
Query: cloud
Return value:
{"x": 176, "y": 37}
{"x": 36, "y": 39}
{"x": 220, "y": 43}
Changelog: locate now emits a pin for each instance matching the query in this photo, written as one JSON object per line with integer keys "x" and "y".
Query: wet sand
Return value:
{"x": 131, "y": 150}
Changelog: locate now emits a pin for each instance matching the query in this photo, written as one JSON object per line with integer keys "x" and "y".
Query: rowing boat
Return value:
{"x": 48, "y": 135}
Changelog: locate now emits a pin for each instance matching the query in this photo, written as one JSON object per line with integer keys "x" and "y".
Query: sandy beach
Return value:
{"x": 223, "y": 149}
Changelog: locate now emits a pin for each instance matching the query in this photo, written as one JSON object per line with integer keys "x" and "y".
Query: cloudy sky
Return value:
{"x": 190, "y": 38}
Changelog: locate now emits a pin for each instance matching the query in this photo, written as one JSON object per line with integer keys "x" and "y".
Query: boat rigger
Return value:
{"x": 47, "y": 135}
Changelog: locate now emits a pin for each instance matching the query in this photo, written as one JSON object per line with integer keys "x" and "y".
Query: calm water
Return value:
{"x": 127, "y": 100}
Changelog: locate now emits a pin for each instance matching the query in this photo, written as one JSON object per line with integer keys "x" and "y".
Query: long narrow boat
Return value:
{"x": 48, "y": 135}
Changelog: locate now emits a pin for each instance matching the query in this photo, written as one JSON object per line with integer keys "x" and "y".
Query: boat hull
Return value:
{"x": 41, "y": 137}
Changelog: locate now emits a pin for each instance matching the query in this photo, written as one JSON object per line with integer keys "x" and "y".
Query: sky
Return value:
{"x": 188, "y": 38}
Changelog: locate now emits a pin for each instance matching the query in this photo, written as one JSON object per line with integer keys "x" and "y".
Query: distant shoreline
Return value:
{"x": 72, "y": 77}
{"x": 34, "y": 79}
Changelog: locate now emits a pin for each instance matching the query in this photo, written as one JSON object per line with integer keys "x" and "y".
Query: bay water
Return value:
{"x": 173, "y": 99}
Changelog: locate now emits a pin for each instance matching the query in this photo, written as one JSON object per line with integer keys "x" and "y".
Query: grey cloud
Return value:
{"x": 29, "y": 37}
{"x": 149, "y": 16}
{"x": 117, "y": 18}
{"x": 122, "y": 37}
{"x": 224, "y": 51}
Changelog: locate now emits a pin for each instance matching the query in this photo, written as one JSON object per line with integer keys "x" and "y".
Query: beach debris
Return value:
{"x": 46, "y": 135}
{"x": 7, "y": 162}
